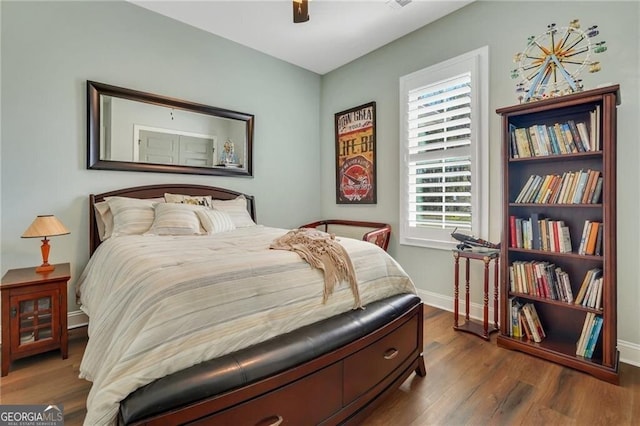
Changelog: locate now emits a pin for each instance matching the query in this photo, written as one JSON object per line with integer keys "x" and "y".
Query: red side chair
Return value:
{"x": 379, "y": 235}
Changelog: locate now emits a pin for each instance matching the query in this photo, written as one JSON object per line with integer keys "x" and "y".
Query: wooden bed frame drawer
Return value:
{"x": 317, "y": 397}
{"x": 364, "y": 369}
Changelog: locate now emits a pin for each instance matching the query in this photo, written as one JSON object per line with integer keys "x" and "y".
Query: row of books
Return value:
{"x": 539, "y": 233}
{"x": 591, "y": 240}
{"x": 524, "y": 321}
{"x": 542, "y": 279}
{"x": 557, "y": 139}
{"x": 590, "y": 293}
{"x": 589, "y": 336}
{"x": 579, "y": 187}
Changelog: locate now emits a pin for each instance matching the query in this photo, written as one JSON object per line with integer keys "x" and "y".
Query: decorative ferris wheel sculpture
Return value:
{"x": 551, "y": 63}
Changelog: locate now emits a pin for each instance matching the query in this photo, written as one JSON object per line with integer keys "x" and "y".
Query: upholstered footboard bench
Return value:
{"x": 330, "y": 372}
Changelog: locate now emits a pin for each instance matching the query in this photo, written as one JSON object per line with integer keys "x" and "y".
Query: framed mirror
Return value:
{"x": 137, "y": 131}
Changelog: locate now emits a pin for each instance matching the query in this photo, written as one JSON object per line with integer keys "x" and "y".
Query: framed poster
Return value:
{"x": 356, "y": 155}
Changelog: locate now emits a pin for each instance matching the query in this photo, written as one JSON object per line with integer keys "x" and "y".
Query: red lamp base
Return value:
{"x": 45, "y": 268}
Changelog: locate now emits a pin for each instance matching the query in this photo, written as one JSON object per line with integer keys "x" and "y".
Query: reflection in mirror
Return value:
{"x": 131, "y": 130}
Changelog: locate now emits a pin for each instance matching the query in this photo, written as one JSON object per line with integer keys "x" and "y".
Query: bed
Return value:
{"x": 176, "y": 335}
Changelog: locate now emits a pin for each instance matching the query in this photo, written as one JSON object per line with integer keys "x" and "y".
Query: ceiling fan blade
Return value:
{"x": 300, "y": 11}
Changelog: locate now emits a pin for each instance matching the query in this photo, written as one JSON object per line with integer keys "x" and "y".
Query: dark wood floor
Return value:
{"x": 469, "y": 382}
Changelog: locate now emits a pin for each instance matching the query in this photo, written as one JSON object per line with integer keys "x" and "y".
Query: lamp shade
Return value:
{"x": 45, "y": 226}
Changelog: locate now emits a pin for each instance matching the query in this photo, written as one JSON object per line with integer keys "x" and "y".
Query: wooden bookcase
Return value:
{"x": 563, "y": 321}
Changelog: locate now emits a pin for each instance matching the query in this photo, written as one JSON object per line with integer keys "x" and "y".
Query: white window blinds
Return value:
{"x": 444, "y": 151}
{"x": 440, "y": 155}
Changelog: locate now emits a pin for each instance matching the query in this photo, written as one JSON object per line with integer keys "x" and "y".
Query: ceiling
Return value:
{"x": 337, "y": 32}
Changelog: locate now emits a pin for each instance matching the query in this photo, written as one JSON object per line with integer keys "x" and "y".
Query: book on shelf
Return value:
{"x": 597, "y": 191}
{"x": 586, "y": 332}
{"x": 589, "y": 277}
{"x": 598, "y": 304}
{"x": 566, "y": 133}
{"x": 524, "y": 325}
{"x": 535, "y": 231}
{"x": 589, "y": 337}
{"x": 541, "y": 279}
{"x": 579, "y": 189}
{"x": 514, "y": 144}
{"x": 565, "y": 239}
{"x": 593, "y": 337}
{"x": 544, "y": 234}
{"x": 583, "y": 238}
{"x": 540, "y": 140}
{"x": 554, "y": 244}
{"x": 598, "y": 250}
{"x": 589, "y": 238}
{"x": 595, "y": 295}
{"x": 584, "y": 135}
{"x": 535, "y": 143}
{"x": 572, "y": 187}
{"x": 567, "y": 180}
{"x": 558, "y": 146}
{"x": 595, "y": 128}
{"x": 582, "y": 146}
{"x": 539, "y": 233}
{"x": 514, "y": 315}
{"x": 562, "y": 277}
{"x": 522, "y": 142}
{"x": 543, "y": 134}
{"x": 533, "y": 320}
{"x": 558, "y": 237}
{"x": 590, "y": 245}
{"x": 525, "y": 188}
{"x": 513, "y": 242}
{"x": 561, "y": 140}
{"x": 590, "y": 186}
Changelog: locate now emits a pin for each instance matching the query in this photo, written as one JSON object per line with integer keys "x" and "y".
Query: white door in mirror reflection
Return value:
{"x": 168, "y": 148}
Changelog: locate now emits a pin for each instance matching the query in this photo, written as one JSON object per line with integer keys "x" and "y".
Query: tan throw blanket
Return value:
{"x": 322, "y": 251}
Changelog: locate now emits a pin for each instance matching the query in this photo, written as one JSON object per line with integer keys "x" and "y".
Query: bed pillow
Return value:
{"x": 131, "y": 216}
{"x": 104, "y": 219}
{"x": 199, "y": 200}
{"x": 175, "y": 219}
{"x": 237, "y": 209}
{"x": 214, "y": 221}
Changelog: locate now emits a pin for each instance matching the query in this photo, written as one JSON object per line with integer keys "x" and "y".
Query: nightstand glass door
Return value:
{"x": 35, "y": 316}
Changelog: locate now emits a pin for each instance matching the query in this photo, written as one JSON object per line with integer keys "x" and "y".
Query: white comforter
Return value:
{"x": 158, "y": 305}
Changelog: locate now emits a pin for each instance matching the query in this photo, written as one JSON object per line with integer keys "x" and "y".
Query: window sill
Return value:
{"x": 432, "y": 244}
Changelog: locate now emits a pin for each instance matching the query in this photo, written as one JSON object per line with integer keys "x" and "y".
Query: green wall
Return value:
{"x": 504, "y": 27}
{"x": 50, "y": 49}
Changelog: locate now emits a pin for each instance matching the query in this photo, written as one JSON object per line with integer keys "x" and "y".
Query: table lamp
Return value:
{"x": 45, "y": 226}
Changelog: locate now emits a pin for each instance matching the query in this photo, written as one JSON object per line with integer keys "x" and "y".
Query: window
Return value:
{"x": 444, "y": 151}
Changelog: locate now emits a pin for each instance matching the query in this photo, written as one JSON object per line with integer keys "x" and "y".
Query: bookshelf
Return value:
{"x": 566, "y": 195}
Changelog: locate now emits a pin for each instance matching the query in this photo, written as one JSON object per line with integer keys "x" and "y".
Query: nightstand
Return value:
{"x": 34, "y": 313}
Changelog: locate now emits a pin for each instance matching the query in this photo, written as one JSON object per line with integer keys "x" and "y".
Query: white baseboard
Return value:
{"x": 77, "y": 319}
{"x": 629, "y": 352}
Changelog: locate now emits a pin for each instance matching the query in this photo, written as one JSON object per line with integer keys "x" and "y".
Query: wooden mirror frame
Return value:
{"x": 94, "y": 90}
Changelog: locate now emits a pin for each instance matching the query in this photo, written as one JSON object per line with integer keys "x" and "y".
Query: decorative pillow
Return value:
{"x": 237, "y": 209}
{"x": 201, "y": 200}
{"x": 131, "y": 216}
{"x": 175, "y": 219}
{"x": 214, "y": 221}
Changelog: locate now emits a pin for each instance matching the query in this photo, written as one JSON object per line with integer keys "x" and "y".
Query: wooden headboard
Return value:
{"x": 158, "y": 191}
